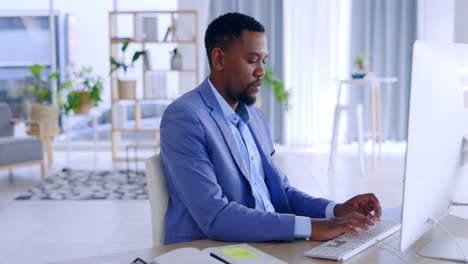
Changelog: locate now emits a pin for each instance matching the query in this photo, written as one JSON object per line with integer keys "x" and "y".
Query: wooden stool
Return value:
{"x": 48, "y": 134}
{"x": 375, "y": 119}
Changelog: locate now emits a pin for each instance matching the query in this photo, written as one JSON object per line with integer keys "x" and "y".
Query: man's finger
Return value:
{"x": 366, "y": 208}
{"x": 349, "y": 229}
{"x": 366, "y": 220}
{"x": 376, "y": 206}
{"x": 354, "y": 222}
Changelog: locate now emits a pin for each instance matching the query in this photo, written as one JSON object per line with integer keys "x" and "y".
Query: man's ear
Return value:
{"x": 217, "y": 58}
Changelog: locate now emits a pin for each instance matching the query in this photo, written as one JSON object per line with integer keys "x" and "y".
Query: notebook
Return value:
{"x": 234, "y": 254}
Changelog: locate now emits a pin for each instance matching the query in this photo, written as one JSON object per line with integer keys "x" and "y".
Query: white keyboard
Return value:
{"x": 347, "y": 245}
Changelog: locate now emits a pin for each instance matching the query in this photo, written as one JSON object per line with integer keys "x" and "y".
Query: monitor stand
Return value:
{"x": 445, "y": 247}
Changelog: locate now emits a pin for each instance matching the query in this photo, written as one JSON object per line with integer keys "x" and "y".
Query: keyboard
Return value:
{"x": 347, "y": 245}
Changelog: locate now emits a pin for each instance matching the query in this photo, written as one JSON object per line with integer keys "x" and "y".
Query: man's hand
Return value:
{"x": 365, "y": 204}
{"x": 326, "y": 229}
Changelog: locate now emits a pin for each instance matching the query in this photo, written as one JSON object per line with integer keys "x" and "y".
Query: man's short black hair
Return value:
{"x": 225, "y": 29}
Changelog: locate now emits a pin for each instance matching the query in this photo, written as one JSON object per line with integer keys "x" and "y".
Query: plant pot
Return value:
{"x": 44, "y": 113}
{"x": 127, "y": 90}
{"x": 176, "y": 62}
{"x": 84, "y": 103}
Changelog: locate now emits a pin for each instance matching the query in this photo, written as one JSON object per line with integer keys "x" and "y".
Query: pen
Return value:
{"x": 219, "y": 258}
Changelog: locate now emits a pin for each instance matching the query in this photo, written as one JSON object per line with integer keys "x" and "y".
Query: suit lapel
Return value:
{"x": 217, "y": 114}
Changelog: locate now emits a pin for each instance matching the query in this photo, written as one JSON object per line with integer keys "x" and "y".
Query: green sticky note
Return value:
{"x": 239, "y": 253}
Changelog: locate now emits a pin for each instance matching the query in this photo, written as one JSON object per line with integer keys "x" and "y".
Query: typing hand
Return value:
{"x": 365, "y": 204}
{"x": 326, "y": 229}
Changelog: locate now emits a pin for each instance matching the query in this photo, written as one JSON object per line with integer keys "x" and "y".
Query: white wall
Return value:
{"x": 443, "y": 21}
{"x": 89, "y": 37}
{"x": 436, "y": 20}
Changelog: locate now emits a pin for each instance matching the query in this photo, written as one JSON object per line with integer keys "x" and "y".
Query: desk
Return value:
{"x": 48, "y": 134}
{"x": 386, "y": 251}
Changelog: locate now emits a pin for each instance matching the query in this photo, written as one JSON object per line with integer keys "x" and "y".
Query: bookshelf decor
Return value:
{"x": 167, "y": 42}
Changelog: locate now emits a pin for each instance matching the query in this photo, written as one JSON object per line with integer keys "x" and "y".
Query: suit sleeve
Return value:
{"x": 187, "y": 166}
{"x": 301, "y": 203}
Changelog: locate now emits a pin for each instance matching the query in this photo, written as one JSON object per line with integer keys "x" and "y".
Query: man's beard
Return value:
{"x": 246, "y": 99}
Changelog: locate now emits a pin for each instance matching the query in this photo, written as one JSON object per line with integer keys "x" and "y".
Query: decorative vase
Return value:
{"x": 44, "y": 113}
{"x": 127, "y": 90}
{"x": 84, "y": 103}
{"x": 176, "y": 62}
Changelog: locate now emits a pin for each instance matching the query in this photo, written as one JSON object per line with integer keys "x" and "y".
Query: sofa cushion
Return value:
{"x": 6, "y": 128}
{"x": 19, "y": 149}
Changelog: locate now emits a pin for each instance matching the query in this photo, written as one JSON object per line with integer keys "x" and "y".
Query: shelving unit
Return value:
{"x": 116, "y": 41}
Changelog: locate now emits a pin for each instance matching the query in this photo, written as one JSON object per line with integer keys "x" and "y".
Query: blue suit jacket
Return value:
{"x": 208, "y": 184}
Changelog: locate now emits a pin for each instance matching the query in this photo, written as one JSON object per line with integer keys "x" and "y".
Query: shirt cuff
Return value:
{"x": 329, "y": 211}
{"x": 302, "y": 227}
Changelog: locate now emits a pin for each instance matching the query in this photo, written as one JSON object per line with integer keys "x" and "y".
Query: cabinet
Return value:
{"x": 158, "y": 81}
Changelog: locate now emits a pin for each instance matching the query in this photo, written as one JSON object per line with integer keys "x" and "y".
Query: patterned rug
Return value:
{"x": 70, "y": 184}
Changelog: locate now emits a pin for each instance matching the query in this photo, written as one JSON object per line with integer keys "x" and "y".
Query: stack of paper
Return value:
{"x": 234, "y": 254}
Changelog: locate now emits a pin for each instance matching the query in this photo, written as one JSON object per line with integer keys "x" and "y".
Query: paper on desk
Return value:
{"x": 184, "y": 256}
{"x": 243, "y": 254}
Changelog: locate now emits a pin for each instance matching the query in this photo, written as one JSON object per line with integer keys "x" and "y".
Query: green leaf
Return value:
{"x": 73, "y": 100}
{"x": 54, "y": 76}
{"x": 87, "y": 69}
{"x": 114, "y": 62}
{"x": 137, "y": 55}
{"x": 66, "y": 85}
{"x": 277, "y": 86}
{"x": 125, "y": 46}
{"x": 36, "y": 69}
{"x": 43, "y": 93}
{"x": 115, "y": 65}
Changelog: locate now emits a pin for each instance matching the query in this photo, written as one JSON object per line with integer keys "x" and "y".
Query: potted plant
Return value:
{"x": 126, "y": 87}
{"x": 84, "y": 93}
{"x": 38, "y": 88}
{"x": 176, "y": 60}
{"x": 361, "y": 63}
{"x": 271, "y": 81}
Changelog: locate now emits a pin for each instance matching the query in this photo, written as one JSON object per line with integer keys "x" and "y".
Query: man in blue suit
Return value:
{"x": 218, "y": 156}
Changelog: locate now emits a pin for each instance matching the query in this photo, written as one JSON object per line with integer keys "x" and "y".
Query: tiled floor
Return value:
{"x": 45, "y": 231}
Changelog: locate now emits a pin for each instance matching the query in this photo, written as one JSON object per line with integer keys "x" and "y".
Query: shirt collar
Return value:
{"x": 229, "y": 114}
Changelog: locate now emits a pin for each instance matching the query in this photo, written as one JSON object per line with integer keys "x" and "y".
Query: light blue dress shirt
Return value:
{"x": 238, "y": 122}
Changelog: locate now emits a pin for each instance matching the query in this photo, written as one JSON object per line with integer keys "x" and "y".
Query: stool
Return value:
{"x": 376, "y": 119}
{"x": 357, "y": 109}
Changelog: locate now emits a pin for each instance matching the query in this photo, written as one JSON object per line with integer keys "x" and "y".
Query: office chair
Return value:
{"x": 158, "y": 198}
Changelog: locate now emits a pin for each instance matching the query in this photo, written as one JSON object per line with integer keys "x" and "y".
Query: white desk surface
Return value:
{"x": 386, "y": 251}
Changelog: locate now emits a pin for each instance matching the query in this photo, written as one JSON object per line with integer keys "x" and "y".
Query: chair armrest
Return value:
{"x": 31, "y": 122}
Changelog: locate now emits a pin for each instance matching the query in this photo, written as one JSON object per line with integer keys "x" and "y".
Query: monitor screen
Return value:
{"x": 437, "y": 125}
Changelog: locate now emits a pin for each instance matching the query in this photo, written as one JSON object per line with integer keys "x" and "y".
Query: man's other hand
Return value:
{"x": 326, "y": 229}
{"x": 365, "y": 204}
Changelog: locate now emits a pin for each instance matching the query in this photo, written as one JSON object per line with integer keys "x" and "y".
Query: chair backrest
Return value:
{"x": 158, "y": 198}
{"x": 6, "y": 127}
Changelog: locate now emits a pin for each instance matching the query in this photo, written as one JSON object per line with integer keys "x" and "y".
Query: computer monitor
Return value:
{"x": 437, "y": 124}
